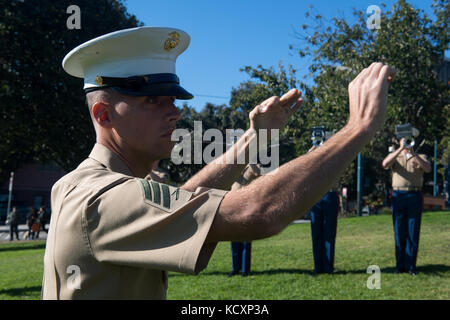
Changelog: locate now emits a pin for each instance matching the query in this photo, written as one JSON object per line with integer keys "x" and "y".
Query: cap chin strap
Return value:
{"x": 137, "y": 81}
{"x": 145, "y": 85}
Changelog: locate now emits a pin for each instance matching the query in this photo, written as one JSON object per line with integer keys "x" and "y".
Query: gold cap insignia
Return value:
{"x": 173, "y": 41}
{"x": 99, "y": 80}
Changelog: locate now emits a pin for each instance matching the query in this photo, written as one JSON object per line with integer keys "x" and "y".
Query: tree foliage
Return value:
{"x": 408, "y": 40}
{"x": 337, "y": 51}
{"x": 43, "y": 116}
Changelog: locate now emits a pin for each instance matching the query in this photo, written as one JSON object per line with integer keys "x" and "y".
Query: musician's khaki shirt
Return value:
{"x": 115, "y": 236}
{"x": 407, "y": 172}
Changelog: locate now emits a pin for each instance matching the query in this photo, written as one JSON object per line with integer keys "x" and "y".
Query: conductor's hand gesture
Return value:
{"x": 368, "y": 97}
{"x": 275, "y": 112}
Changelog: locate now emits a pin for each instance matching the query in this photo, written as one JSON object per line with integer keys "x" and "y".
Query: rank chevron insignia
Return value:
{"x": 155, "y": 192}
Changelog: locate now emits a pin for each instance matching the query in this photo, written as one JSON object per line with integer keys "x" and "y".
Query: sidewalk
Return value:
{"x": 4, "y": 232}
{"x": 301, "y": 221}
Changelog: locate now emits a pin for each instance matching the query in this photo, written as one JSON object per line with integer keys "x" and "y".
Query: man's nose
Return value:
{"x": 174, "y": 113}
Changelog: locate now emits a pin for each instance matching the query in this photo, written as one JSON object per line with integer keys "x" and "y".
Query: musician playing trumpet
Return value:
{"x": 407, "y": 179}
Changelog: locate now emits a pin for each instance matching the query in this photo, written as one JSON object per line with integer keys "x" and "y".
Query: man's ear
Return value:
{"x": 101, "y": 114}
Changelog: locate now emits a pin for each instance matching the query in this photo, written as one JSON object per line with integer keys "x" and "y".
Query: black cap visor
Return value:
{"x": 161, "y": 84}
{"x": 158, "y": 89}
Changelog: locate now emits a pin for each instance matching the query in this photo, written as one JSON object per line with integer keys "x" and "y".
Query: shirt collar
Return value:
{"x": 407, "y": 155}
{"x": 109, "y": 159}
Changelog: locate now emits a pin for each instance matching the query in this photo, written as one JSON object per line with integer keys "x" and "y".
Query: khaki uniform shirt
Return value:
{"x": 407, "y": 172}
{"x": 115, "y": 236}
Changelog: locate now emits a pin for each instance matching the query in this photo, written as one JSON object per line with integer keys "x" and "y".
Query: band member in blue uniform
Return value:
{"x": 407, "y": 178}
{"x": 324, "y": 225}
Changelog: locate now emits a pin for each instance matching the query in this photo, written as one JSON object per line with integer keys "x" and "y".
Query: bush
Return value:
{"x": 384, "y": 210}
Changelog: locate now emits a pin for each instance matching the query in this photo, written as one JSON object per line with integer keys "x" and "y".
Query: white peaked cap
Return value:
{"x": 148, "y": 54}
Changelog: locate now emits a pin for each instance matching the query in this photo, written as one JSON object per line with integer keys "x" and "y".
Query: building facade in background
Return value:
{"x": 32, "y": 187}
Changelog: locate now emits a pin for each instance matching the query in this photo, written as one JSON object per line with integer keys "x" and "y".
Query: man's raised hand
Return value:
{"x": 275, "y": 112}
{"x": 368, "y": 97}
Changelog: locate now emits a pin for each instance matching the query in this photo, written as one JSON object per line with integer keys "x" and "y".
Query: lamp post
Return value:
{"x": 359, "y": 185}
{"x": 435, "y": 186}
{"x": 11, "y": 179}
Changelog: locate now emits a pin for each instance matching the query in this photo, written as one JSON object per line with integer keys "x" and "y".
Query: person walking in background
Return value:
{"x": 42, "y": 220}
{"x": 31, "y": 221}
{"x": 13, "y": 219}
{"x": 241, "y": 251}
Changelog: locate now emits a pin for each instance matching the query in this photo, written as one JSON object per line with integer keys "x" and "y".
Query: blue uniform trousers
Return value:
{"x": 406, "y": 216}
{"x": 323, "y": 230}
{"x": 241, "y": 255}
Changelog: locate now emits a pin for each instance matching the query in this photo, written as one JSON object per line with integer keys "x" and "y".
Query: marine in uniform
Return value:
{"x": 115, "y": 232}
{"x": 323, "y": 229}
{"x": 407, "y": 203}
{"x": 241, "y": 251}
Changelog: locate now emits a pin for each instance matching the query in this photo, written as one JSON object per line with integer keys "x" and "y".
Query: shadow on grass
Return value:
{"x": 18, "y": 292}
{"x": 252, "y": 273}
{"x": 435, "y": 269}
{"x": 23, "y": 246}
{"x": 431, "y": 269}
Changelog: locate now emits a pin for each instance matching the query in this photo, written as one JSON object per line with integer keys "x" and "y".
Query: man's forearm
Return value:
{"x": 300, "y": 183}
{"x": 389, "y": 160}
{"x": 270, "y": 203}
{"x": 225, "y": 170}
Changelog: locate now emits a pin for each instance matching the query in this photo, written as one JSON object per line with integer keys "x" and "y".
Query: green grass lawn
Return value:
{"x": 282, "y": 266}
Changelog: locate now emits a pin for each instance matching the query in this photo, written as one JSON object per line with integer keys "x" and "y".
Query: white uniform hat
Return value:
{"x": 137, "y": 61}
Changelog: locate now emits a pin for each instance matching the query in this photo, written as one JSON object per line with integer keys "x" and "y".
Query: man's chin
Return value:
{"x": 164, "y": 151}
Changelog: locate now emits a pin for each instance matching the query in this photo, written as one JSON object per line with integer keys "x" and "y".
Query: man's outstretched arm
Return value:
{"x": 270, "y": 203}
{"x": 273, "y": 113}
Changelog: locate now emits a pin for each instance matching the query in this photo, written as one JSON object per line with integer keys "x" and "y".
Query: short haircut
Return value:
{"x": 97, "y": 95}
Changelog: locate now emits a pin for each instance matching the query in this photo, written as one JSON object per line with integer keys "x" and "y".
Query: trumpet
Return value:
{"x": 319, "y": 135}
{"x": 409, "y": 142}
{"x": 407, "y": 132}
{"x": 317, "y": 141}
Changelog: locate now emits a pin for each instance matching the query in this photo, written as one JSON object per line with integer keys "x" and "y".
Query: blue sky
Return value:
{"x": 228, "y": 35}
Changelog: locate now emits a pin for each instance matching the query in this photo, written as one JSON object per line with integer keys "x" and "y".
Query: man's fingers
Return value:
{"x": 291, "y": 101}
{"x": 288, "y": 100}
{"x": 379, "y": 70}
{"x": 387, "y": 73}
{"x": 268, "y": 104}
{"x": 296, "y": 106}
{"x": 375, "y": 69}
{"x": 361, "y": 74}
{"x": 290, "y": 97}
